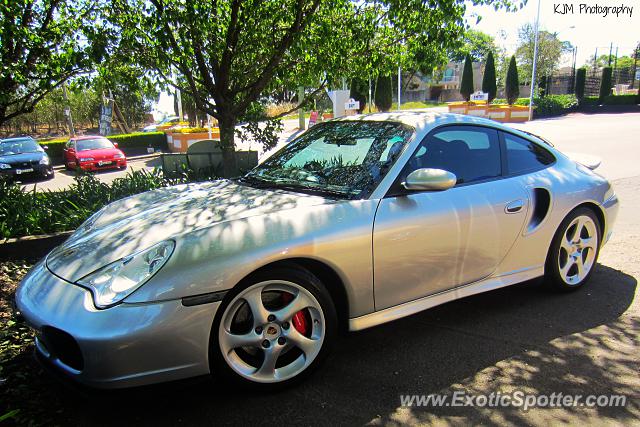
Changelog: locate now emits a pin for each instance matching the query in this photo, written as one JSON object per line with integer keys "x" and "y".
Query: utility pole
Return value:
{"x": 399, "y": 85}
{"x": 369, "y": 103}
{"x": 535, "y": 63}
{"x": 300, "y": 110}
{"x": 610, "y": 51}
{"x": 633, "y": 73}
{"x": 67, "y": 109}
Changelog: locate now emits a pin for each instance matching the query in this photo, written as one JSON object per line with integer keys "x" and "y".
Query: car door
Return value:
{"x": 70, "y": 153}
{"x": 430, "y": 241}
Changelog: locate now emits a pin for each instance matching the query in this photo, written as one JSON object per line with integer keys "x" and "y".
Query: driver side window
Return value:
{"x": 472, "y": 153}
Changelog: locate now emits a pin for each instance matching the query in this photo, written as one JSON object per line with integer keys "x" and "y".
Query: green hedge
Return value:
{"x": 125, "y": 141}
{"x": 611, "y": 100}
{"x": 24, "y": 212}
{"x": 548, "y": 106}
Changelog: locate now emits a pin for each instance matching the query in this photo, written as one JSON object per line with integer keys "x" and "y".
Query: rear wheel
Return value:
{"x": 273, "y": 330}
{"x": 574, "y": 251}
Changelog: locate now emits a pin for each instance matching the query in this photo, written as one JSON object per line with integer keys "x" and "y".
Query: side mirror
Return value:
{"x": 115, "y": 144}
{"x": 45, "y": 147}
{"x": 430, "y": 179}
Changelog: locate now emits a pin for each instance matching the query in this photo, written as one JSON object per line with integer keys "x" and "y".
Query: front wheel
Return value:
{"x": 273, "y": 329}
{"x": 574, "y": 251}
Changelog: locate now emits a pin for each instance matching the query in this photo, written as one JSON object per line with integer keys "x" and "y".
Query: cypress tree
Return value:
{"x": 489, "y": 78}
{"x": 512, "y": 85}
{"x": 581, "y": 79}
{"x": 382, "y": 98}
{"x": 605, "y": 83}
{"x": 466, "y": 84}
{"x": 359, "y": 91}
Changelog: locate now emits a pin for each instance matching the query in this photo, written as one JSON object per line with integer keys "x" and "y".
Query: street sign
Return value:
{"x": 106, "y": 115}
{"x": 479, "y": 96}
{"x": 352, "y": 104}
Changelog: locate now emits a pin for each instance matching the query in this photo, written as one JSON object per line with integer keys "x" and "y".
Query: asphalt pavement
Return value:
{"x": 522, "y": 338}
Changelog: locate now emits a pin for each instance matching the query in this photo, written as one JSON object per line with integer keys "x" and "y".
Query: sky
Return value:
{"x": 590, "y": 30}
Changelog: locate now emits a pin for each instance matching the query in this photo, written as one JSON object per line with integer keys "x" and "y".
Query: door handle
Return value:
{"x": 515, "y": 206}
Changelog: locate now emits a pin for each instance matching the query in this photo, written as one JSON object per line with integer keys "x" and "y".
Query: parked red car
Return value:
{"x": 93, "y": 153}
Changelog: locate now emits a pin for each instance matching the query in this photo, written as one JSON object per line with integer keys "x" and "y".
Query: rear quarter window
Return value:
{"x": 525, "y": 156}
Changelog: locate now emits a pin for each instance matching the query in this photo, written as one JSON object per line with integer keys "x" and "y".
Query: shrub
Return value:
{"x": 25, "y": 212}
{"x": 550, "y": 105}
{"x": 359, "y": 92}
{"x": 489, "y": 77}
{"x": 382, "y": 98}
{"x": 466, "y": 83}
{"x": 620, "y": 100}
{"x": 554, "y": 105}
{"x": 581, "y": 78}
{"x": 605, "y": 83}
{"x": 512, "y": 85}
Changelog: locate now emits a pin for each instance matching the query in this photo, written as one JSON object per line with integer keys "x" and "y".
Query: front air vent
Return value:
{"x": 541, "y": 199}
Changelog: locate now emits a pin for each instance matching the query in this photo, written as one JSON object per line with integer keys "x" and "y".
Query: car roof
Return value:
{"x": 425, "y": 121}
{"x": 80, "y": 138}
{"x": 17, "y": 138}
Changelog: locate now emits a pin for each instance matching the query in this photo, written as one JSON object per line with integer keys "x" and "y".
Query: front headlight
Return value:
{"x": 86, "y": 159}
{"x": 5, "y": 166}
{"x": 118, "y": 156}
{"x": 116, "y": 281}
{"x": 44, "y": 160}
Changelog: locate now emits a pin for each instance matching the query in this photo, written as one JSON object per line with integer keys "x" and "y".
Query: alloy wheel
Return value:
{"x": 271, "y": 331}
{"x": 578, "y": 248}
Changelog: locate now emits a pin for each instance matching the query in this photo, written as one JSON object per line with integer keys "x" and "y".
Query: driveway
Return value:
{"x": 519, "y": 338}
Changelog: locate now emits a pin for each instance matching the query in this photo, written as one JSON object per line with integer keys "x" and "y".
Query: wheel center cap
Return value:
{"x": 272, "y": 331}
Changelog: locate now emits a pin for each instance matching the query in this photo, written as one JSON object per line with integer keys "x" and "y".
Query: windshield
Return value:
{"x": 345, "y": 159}
{"x": 93, "y": 144}
{"x": 18, "y": 146}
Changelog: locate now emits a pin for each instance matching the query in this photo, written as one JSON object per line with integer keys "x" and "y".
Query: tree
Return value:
{"x": 489, "y": 78}
{"x": 42, "y": 44}
{"x": 475, "y": 44}
{"x": 359, "y": 91}
{"x": 605, "y": 83}
{"x": 581, "y": 79}
{"x": 232, "y": 52}
{"x": 603, "y": 61}
{"x": 383, "y": 95}
{"x": 512, "y": 84}
{"x": 550, "y": 50}
{"x": 466, "y": 83}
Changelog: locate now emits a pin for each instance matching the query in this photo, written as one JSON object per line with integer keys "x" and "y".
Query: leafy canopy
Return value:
{"x": 43, "y": 43}
{"x": 232, "y": 52}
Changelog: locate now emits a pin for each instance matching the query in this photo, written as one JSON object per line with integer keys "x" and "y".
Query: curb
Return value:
{"x": 129, "y": 159}
{"x": 29, "y": 247}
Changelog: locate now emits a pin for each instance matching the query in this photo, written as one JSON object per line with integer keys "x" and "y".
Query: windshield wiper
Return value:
{"x": 294, "y": 187}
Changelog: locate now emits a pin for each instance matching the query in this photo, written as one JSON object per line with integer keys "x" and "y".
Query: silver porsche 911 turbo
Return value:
{"x": 357, "y": 222}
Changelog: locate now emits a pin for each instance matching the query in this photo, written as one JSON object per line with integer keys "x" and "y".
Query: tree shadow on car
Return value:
{"x": 522, "y": 337}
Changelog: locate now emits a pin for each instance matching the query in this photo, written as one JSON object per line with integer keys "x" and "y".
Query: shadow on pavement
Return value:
{"x": 523, "y": 337}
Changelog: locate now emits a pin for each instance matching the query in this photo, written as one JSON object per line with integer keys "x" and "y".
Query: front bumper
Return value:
{"x": 43, "y": 171}
{"x": 123, "y": 346}
{"x": 95, "y": 165}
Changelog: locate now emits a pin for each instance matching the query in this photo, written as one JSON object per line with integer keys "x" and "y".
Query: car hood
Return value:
{"x": 135, "y": 223}
{"x": 101, "y": 153}
{"x": 22, "y": 157}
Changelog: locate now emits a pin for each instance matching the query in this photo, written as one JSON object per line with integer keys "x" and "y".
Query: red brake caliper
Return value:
{"x": 299, "y": 320}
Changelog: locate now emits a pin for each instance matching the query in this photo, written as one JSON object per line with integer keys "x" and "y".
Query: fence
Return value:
{"x": 562, "y": 84}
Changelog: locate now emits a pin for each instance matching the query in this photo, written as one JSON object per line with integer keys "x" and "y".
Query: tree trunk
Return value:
{"x": 227, "y": 127}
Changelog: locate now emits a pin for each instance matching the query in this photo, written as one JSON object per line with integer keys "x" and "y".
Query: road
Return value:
{"x": 519, "y": 338}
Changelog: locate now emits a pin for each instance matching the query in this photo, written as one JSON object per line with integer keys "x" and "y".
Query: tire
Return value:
{"x": 281, "y": 344}
{"x": 574, "y": 251}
